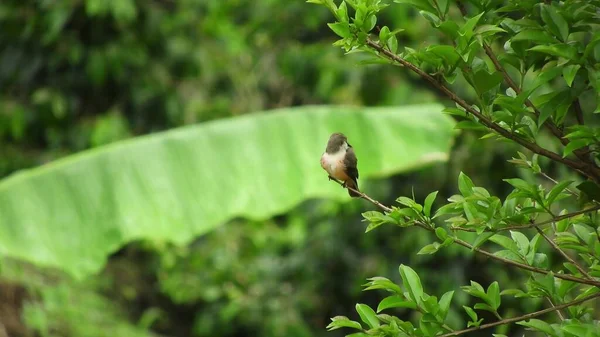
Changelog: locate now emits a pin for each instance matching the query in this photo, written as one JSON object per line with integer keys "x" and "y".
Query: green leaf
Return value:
{"x": 420, "y": 4}
{"x": 444, "y": 304}
{"x": 367, "y": 315}
{"x": 176, "y": 185}
{"x": 538, "y": 325}
{"x": 574, "y": 145}
{"x": 534, "y": 35}
{"x": 411, "y": 283}
{"x": 569, "y": 73}
{"x": 342, "y": 29}
{"x": 441, "y": 233}
{"x": 561, "y": 50}
{"x": 379, "y": 282}
{"x": 447, "y": 53}
{"x": 591, "y": 189}
{"x": 395, "y": 302}
{"x": 467, "y": 29}
{"x": 465, "y": 185}
{"x": 519, "y": 184}
{"x": 522, "y": 242}
{"x": 339, "y": 322}
{"x": 493, "y": 292}
{"x": 472, "y": 314}
{"x": 483, "y": 237}
{"x": 429, "y": 202}
{"x": 485, "y": 81}
{"x": 556, "y": 22}
{"x": 488, "y": 30}
{"x": 429, "y": 249}
{"x": 505, "y": 242}
{"x": 556, "y": 190}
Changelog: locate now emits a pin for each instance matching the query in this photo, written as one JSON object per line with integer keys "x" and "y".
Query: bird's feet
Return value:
{"x": 329, "y": 177}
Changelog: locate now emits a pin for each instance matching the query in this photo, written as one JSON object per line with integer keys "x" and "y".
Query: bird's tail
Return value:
{"x": 354, "y": 185}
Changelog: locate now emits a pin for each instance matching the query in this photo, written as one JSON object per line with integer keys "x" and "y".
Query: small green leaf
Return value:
{"x": 420, "y": 4}
{"x": 483, "y": 237}
{"x": 429, "y": 202}
{"x": 465, "y": 185}
{"x": 519, "y": 184}
{"x": 522, "y": 242}
{"x": 538, "y": 325}
{"x": 493, "y": 292}
{"x": 412, "y": 283}
{"x": 441, "y": 233}
{"x": 569, "y": 73}
{"x": 342, "y": 12}
{"x": 484, "y": 81}
{"x": 488, "y": 30}
{"x": 534, "y": 35}
{"x": 429, "y": 249}
{"x": 445, "y": 52}
{"x": 574, "y": 145}
{"x": 583, "y": 232}
{"x": 367, "y": 315}
{"x": 379, "y": 282}
{"x": 591, "y": 189}
{"x": 505, "y": 242}
{"x": 472, "y": 314}
{"x": 338, "y": 322}
{"x": 395, "y": 302}
{"x": 556, "y": 190}
{"x": 392, "y": 44}
{"x": 342, "y": 29}
{"x": 444, "y": 304}
{"x": 556, "y": 22}
{"x": 560, "y": 50}
{"x": 467, "y": 29}
{"x": 384, "y": 34}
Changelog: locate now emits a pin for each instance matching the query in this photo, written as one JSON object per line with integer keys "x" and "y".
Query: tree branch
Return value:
{"x": 522, "y": 317}
{"x": 582, "y": 167}
{"x": 479, "y": 250}
{"x": 580, "y": 153}
{"x": 563, "y": 253}
{"x": 531, "y": 225}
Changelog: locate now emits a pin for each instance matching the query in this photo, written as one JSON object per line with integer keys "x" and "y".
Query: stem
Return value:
{"x": 522, "y": 317}
{"x": 585, "y": 169}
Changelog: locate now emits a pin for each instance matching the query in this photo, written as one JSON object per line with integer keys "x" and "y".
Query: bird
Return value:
{"x": 340, "y": 162}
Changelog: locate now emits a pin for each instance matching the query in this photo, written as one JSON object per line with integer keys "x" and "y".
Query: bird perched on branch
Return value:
{"x": 340, "y": 162}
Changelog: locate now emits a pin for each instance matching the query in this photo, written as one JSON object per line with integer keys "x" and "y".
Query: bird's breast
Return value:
{"x": 333, "y": 163}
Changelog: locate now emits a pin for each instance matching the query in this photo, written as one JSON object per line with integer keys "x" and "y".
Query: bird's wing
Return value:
{"x": 350, "y": 163}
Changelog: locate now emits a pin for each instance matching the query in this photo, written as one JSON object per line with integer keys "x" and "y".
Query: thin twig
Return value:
{"x": 563, "y": 253}
{"x": 578, "y": 112}
{"x": 522, "y": 317}
{"x": 558, "y": 312}
{"x": 479, "y": 250}
{"x": 518, "y": 227}
{"x": 364, "y": 196}
{"x": 582, "y": 167}
{"x": 525, "y": 266}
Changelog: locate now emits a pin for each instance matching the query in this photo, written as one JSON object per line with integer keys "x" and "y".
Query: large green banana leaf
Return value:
{"x": 173, "y": 186}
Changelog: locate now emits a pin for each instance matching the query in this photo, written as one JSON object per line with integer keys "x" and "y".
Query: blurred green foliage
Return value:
{"x": 76, "y": 74}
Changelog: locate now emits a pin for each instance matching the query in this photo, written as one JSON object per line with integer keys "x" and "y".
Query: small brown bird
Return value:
{"x": 340, "y": 162}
